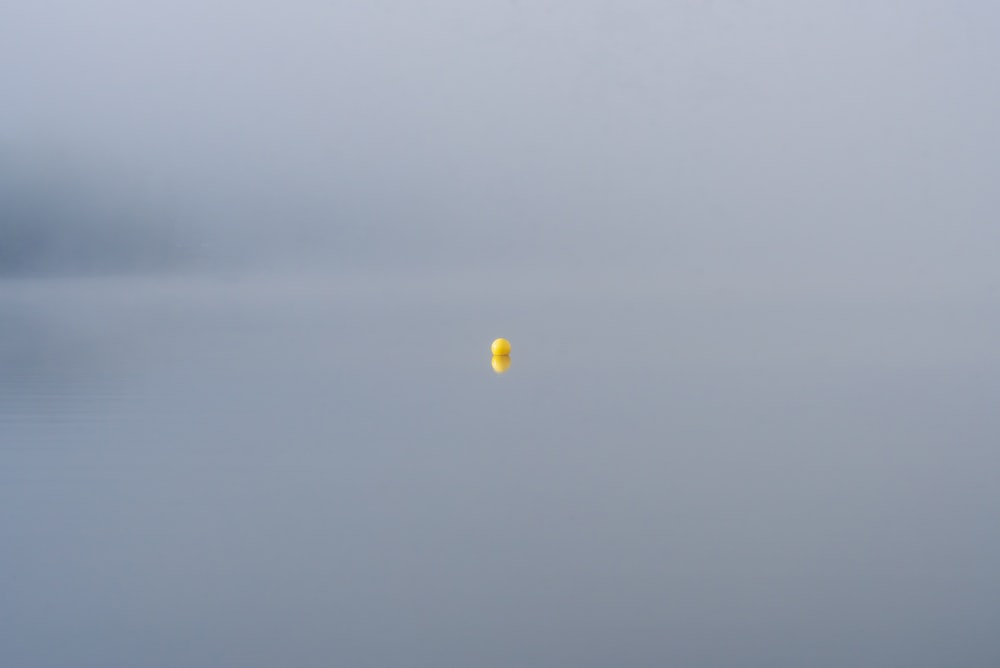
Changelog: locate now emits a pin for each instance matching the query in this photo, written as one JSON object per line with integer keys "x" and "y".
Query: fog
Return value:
{"x": 748, "y": 143}
{"x": 252, "y": 256}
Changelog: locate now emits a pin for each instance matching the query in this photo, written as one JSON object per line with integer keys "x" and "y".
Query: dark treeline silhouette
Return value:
{"x": 51, "y": 226}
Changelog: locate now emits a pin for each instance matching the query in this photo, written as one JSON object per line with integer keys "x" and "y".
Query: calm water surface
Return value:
{"x": 228, "y": 473}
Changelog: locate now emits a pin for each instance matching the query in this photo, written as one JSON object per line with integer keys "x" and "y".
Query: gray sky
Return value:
{"x": 730, "y": 143}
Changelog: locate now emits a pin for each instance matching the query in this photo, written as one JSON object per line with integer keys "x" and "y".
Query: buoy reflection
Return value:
{"x": 501, "y": 363}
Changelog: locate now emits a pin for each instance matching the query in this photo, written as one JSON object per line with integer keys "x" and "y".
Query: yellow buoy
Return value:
{"x": 501, "y": 347}
{"x": 501, "y": 363}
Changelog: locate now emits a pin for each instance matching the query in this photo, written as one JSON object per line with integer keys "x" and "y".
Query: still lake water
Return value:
{"x": 320, "y": 473}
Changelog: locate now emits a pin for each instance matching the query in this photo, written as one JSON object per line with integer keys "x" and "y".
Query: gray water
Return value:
{"x": 321, "y": 472}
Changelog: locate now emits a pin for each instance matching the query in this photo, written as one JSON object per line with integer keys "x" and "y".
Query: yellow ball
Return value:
{"x": 501, "y": 363}
{"x": 501, "y": 347}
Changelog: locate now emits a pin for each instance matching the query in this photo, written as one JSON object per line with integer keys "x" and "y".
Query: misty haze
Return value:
{"x": 253, "y": 256}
